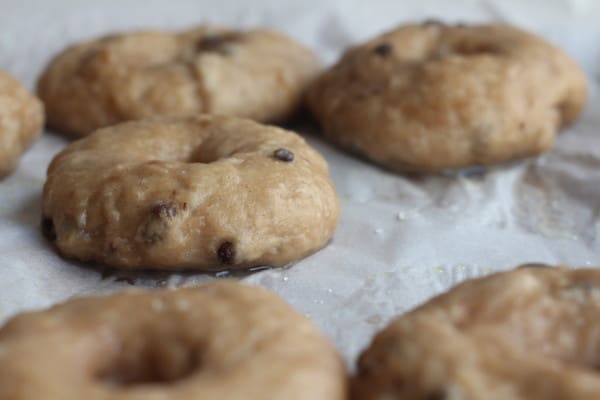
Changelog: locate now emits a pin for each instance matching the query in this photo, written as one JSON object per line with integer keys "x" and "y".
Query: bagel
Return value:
{"x": 256, "y": 74}
{"x": 431, "y": 97}
{"x": 222, "y": 340}
{"x": 206, "y": 192}
{"x": 21, "y": 118}
{"x": 527, "y": 334}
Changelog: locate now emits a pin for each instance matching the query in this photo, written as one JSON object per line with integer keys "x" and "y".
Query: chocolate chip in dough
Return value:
{"x": 284, "y": 155}
{"x": 226, "y": 253}
{"x": 48, "y": 230}
{"x": 383, "y": 49}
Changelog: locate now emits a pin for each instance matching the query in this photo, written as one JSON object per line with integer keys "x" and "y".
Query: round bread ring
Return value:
{"x": 527, "y": 334}
{"x": 206, "y": 192}
{"x": 219, "y": 341}
{"x": 255, "y": 74}
{"x": 21, "y": 118}
{"x": 431, "y": 97}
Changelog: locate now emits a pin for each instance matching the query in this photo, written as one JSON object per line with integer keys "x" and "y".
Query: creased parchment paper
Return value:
{"x": 401, "y": 239}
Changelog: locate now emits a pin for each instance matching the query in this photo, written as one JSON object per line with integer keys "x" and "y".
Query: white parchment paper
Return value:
{"x": 401, "y": 239}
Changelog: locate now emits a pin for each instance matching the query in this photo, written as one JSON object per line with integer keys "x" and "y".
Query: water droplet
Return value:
{"x": 259, "y": 268}
{"x": 222, "y": 274}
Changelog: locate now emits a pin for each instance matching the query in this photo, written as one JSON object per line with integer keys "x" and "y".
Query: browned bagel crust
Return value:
{"x": 205, "y": 192}
{"x": 222, "y": 340}
{"x": 255, "y": 74}
{"x": 21, "y": 118}
{"x": 430, "y": 97}
{"x": 527, "y": 334}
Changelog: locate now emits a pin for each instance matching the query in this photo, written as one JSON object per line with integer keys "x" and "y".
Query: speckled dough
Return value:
{"x": 204, "y": 192}
{"x": 219, "y": 341}
{"x": 528, "y": 334}
{"x": 431, "y": 97}
{"x": 255, "y": 74}
{"x": 21, "y": 117}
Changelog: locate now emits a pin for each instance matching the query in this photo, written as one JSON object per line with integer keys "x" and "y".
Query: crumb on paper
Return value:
{"x": 374, "y": 319}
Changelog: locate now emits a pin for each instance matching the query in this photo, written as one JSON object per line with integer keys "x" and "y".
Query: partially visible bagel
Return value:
{"x": 528, "y": 334}
{"x": 21, "y": 119}
{"x": 255, "y": 74}
{"x": 431, "y": 97}
{"x": 222, "y": 341}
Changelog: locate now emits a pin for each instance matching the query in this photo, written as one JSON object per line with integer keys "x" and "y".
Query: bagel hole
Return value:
{"x": 211, "y": 151}
{"x": 162, "y": 365}
{"x": 474, "y": 48}
{"x": 204, "y": 155}
{"x": 222, "y": 43}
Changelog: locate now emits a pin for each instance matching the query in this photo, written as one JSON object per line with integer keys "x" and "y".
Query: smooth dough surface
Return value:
{"x": 431, "y": 97}
{"x": 527, "y": 334}
{"x": 222, "y": 340}
{"x": 255, "y": 74}
{"x": 21, "y": 118}
{"x": 205, "y": 192}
